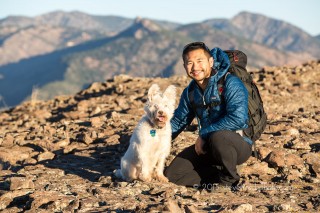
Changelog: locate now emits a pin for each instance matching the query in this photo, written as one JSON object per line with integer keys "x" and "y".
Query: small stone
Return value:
{"x": 105, "y": 180}
{"x": 172, "y": 206}
{"x": 7, "y": 198}
{"x": 301, "y": 144}
{"x": 63, "y": 143}
{"x": 45, "y": 156}
{"x": 242, "y": 208}
{"x": 192, "y": 209}
{"x": 96, "y": 121}
{"x": 276, "y": 158}
{"x": 85, "y": 137}
{"x": 294, "y": 161}
{"x": 282, "y": 207}
{"x": 113, "y": 139}
{"x": 21, "y": 183}
{"x": 42, "y": 114}
{"x": 293, "y": 132}
{"x": 115, "y": 116}
{"x": 263, "y": 152}
{"x": 309, "y": 205}
{"x": 313, "y": 159}
{"x": 7, "y": 141}
{"x": 72, "y": 147}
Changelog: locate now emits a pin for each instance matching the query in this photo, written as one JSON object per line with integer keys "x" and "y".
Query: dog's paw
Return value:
{"x": 145, "y": 178}
{"x": 162, "y": 178}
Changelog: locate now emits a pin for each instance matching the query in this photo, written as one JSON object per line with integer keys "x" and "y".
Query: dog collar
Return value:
{"x": 153, "y": 126}
{"x": 153, "y": 132}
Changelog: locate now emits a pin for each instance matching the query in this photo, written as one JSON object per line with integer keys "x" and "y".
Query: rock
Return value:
{"x": 42, "y": 114}
{"x": 72, "y": 147}
{"x": 294, "y": 161}
{"x": 51, "y": 201}
{"x": 301, "y": 144}
{"x": 313, "y": 159}
{"x": 15, "y": 154}
{"x": 115, "y": 116}
{"x": 113, "y": 139}
{"x": 282, "y": 207}
{"x": 96, "y": 121}
{"x": 258, "y": 169}
{"x": 95, "y": 87}
{"x": 89, "y": 203}
{"x": 74, "y": 115}
{"x": 45, "y": 156}
{"x": 63, "y": 143}
{"x": 242, "y": 208}
{"x": 8, "y": 198}
{"x": 122, "y": 78}
{"x": 83, "y": 105}
{"x": 294, "y": 175}
{"x": 192, "y": 209}
{"x": 7, "y": 141}
{"x": 85, "y": 137}
{"x": 107, "y": 180}
{"x": 315, "y": 200}
{"x": 172, "y": 206}
{"x": 276, "y": 158}
{"x": 21, "y": 183}
{"x": 263, "y": 152}
{"x": 293, "y": 132}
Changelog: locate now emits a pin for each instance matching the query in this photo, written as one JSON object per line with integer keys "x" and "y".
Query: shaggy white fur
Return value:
{"x": 150, "y": 142}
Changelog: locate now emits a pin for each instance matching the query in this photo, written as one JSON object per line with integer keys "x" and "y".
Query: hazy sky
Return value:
{"x": 304, "y": 14}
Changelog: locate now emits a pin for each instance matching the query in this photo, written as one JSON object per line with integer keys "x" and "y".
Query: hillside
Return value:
{"x": 61, "y": 53}
{"x": 60, "y": 154}
{"x": 24, "y": 37}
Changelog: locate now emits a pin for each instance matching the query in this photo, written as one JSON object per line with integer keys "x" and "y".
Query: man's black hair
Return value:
{"x": 194, "y": 46}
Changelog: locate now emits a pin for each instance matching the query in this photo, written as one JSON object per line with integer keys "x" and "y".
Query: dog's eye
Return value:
{"x": 156, "y": 106}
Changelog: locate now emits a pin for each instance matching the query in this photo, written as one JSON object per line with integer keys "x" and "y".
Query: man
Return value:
{"x": 221, "y": 115}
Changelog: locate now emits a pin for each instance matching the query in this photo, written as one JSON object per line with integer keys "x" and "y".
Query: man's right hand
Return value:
{"x": 199, "y": 146}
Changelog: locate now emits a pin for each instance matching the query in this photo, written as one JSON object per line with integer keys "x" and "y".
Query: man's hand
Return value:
{"x": 199, "y": 146}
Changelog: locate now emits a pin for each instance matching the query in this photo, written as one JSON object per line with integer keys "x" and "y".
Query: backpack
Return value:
{"x": 257, "y": 115}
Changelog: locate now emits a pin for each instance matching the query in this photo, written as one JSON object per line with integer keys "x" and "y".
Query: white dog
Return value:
{"x": 150, "y": 142}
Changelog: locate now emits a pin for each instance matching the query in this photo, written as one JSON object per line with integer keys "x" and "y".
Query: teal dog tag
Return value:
{"x": 153, "y": 132}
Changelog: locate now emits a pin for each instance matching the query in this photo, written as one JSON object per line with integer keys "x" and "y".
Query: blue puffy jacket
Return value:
{"x": 230, "y": 114}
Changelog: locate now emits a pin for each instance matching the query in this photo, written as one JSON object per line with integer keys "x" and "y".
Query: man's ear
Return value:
{"x": 184, "y": 63}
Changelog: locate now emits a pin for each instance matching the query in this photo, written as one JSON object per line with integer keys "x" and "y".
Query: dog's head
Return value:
{"x": 160, "y": 106}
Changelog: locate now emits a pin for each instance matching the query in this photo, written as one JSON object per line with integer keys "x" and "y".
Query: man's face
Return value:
{"x": 198, "y": 65}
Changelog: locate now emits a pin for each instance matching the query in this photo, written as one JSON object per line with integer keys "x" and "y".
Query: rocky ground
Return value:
{"x": 59, "y": 155}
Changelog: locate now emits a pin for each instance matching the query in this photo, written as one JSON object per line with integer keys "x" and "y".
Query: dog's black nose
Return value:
{"x": 160, "y": 112}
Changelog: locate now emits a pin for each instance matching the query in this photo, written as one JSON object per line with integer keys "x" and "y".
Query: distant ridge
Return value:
{"x": 61, "y": 53}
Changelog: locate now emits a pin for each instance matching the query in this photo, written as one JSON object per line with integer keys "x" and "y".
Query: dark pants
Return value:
{"x": 224, "y": 151}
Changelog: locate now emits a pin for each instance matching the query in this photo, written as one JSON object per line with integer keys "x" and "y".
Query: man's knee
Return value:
{"x": 169, "y": 172}
{"x": 218, "y": 140}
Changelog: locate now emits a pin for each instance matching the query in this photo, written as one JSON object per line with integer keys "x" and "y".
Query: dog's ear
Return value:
{"x": 170, "y": 93}
{"x": 153, "y": 90}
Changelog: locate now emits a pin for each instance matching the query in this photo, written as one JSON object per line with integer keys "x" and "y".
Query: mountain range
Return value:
{"x": 63, "y": 52}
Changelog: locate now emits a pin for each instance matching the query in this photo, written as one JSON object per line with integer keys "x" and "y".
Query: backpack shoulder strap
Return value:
{"x": 221, "y": 82}
{"x": 191, "y": 95}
